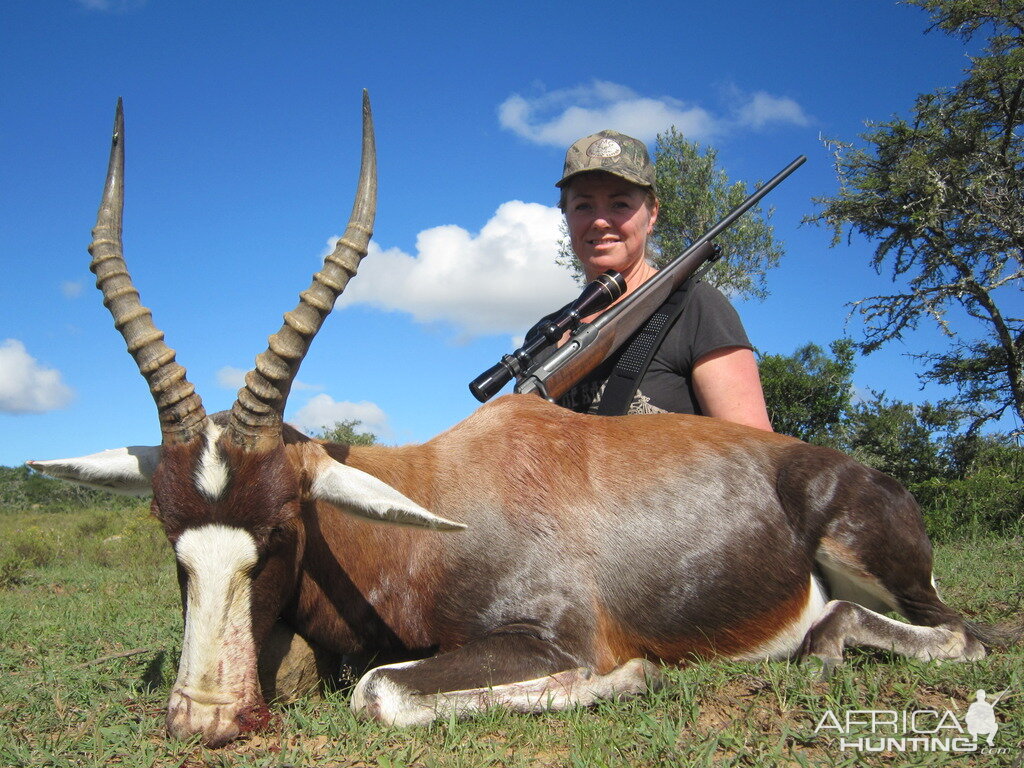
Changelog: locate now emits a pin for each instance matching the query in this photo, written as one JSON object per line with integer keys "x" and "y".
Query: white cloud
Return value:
{"x": 71, "y": 289}
{"x": 562, "y": 116}
{"x": 25, "y": 385}
{"x": 324, "y": 411}
{"x": 501, "y": 280}
{"x": 116, "y": 6}
{"x": 760, "y": 109}
{"x": 229, "y": 377}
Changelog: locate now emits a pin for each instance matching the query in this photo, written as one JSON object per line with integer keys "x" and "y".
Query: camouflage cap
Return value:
{"x": 611, "y": 152}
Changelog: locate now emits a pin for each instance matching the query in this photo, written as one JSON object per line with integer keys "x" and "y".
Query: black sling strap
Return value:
{"x": 638, "y": 353}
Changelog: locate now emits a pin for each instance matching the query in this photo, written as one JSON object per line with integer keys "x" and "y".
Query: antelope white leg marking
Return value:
{"x": 844, "y": 624}
{"x": 217, "y": 673}
{"x": 391, "y": 702}
{"x": 845, "y": 583}
{"x": 211, "y": 475}
{"x": 787, "y": 642}
{"x": 382, "y": 699}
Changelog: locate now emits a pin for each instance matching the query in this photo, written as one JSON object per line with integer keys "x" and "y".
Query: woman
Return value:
{"x": 705, "y": 364}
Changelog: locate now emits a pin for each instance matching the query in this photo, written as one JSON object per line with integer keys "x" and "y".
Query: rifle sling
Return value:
{"x": 637, "y": 354}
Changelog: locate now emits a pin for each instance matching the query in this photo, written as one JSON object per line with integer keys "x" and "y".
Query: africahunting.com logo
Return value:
{"x": 919, "y": 730}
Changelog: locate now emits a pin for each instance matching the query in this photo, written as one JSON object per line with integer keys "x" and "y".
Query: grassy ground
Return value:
{"x": 90, "y": 631}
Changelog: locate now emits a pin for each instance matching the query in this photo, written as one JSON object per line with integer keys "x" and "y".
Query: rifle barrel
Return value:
{"x": 754, "y": 198}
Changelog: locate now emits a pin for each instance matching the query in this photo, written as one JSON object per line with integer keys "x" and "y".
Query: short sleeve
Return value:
{"x": 708, "y": 322}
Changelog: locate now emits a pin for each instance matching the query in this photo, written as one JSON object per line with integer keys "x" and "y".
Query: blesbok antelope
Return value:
{"x": 529, "y": 557}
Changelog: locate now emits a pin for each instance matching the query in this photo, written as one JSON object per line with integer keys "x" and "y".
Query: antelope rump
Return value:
{"x": 529, "y": 557}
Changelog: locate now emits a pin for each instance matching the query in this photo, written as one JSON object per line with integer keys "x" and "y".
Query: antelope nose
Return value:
{"x": 217, "y": 723}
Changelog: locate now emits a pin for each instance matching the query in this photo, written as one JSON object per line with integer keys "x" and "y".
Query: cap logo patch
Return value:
{"x": 604, "y": 148}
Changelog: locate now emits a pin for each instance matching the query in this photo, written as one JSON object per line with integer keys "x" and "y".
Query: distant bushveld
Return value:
{"x": 22, "y": 490}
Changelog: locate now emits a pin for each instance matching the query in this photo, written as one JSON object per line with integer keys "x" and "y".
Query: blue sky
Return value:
{"x": 242, "y": 153}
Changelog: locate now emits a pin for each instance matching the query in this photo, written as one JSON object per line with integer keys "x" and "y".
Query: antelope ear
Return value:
{"x": 127, "y": 471}
{"x": 364, "y": 495}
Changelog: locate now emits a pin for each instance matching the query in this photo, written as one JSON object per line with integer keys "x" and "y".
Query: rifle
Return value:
{"x": 590, "y": 344}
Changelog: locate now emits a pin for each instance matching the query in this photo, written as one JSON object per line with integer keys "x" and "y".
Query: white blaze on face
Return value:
{"x": 218, "y": 656}
{"x": 211, "y": 475}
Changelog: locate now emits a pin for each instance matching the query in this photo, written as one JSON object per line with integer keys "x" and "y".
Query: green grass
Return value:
{"x": 90, "y": 631}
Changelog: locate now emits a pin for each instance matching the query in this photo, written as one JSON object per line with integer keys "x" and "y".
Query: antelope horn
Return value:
{"x": 258, "y": 413}
{"x": 181, "y": 412}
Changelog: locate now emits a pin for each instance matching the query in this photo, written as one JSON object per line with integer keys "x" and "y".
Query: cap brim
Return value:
{"x": 631, "y": 179}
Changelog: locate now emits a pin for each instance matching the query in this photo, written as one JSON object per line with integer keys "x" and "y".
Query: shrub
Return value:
{"x": 93, "y": 525}
{"x": 987, "y": 498}
{"x": 13, "y": 573}
{"x": 32, "y": 546}
{"x": 139, "y": 544}
{"x": 21, "y": 489}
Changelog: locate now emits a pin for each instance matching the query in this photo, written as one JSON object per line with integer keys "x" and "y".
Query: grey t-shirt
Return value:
{"x": 708, "y": 322}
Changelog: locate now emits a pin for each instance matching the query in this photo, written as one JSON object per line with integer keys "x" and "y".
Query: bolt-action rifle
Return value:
{"x": 590, "y": 344}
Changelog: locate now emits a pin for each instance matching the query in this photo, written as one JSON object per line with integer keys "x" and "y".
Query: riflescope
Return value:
{"x": 596, "y": 296}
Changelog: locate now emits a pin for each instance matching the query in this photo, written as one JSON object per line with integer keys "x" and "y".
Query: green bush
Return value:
{"x": 32, "y": 546}
{"x": 22, "y": 490}
{"x": 13, "y": 573}
{"x": 987, "y": 498}
{"x": 94, "y": 525}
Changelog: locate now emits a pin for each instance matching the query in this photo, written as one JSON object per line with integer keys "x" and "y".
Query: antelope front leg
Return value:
{"x": 466, "y": 681}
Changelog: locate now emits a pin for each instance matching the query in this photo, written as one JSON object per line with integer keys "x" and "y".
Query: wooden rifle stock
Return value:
{"x": 593, "y": 343}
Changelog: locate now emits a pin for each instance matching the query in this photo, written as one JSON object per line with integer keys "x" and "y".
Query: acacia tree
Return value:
{"x": 694, "y": 194}
{"x": 943, "y": 194}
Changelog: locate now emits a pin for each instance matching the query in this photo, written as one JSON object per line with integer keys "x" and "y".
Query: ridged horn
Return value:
{"x": 181, "y": 412}
{"x": 258, "y": 413}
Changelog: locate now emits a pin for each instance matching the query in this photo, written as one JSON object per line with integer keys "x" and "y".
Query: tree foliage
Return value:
{"x": 344, "y": 432}
{"x": 808, "y": 393}
{"x": 695, "y": 194}
{"x": 903, "y": 440}
{"x": 942, "y": 193}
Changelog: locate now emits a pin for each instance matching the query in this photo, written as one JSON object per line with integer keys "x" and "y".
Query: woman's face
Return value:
{"x": 609, "y": 221}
